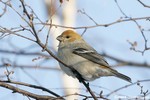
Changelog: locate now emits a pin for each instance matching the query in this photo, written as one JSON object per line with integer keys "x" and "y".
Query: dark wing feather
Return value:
{"x": 91, "y": 55}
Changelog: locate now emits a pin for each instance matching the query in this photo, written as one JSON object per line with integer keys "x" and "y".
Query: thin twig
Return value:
{"x": 126, "y": 86}
{"x": 5, "y": 30}
{"x": 83, "y": 12}
{"x": 143, "y": 4}
{"x": 120, "y": 9}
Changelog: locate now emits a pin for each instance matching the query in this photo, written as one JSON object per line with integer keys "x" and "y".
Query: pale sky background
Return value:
{"x": 111, "y": 40}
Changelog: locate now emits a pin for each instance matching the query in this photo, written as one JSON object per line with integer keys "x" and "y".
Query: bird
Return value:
{"x": 75, "y": 52}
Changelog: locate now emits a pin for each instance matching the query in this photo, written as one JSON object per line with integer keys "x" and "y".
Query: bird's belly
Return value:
{"x": 88, "y": 70}
{"x": 91, "y": 71}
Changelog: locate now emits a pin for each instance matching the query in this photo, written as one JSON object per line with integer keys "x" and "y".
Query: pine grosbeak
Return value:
{"x": 75, "y": 52}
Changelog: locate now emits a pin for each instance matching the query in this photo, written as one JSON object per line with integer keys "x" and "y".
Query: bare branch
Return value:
{"x": 145, "y": 41}
{"x": 24, "y": 53}
{"x": 143, "y": 4}
{"x": 26, "y": 93}
{"x": 121, "y": 9}
{"x": 34, "y": 67}
{"x": 5, "y": 8}
{"x": 84, "y": 13}
{"x": 30, "y": 17}
{"x": 126, "y": 86}
{"x": 5, "y": 30}
{"x": 99, "y": 25}
{"x": 125, "y": 63}
{"x": 32, "y": 86}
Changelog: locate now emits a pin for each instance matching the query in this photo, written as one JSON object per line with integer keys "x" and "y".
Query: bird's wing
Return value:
{"x": 93, "y": 56}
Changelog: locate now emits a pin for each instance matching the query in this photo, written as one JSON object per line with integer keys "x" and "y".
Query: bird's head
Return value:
{"x": 69, "y": 36}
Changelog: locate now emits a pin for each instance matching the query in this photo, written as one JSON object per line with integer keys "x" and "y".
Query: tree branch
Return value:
{"x": 143, "y": 4}
{"x": 21, "y": 91}
{"x": 126, "y": 86}
{"x": 32, "y": 86}
{"x": 98, "y": 25}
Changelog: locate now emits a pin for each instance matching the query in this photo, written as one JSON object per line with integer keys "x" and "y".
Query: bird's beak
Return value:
{"x": 59, "y": 38}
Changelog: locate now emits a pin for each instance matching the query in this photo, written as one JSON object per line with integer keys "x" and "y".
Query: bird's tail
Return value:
{"x": 122, "y": 76}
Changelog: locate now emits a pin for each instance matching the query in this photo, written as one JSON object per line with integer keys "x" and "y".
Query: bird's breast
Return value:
{"x": 68, "y": 57}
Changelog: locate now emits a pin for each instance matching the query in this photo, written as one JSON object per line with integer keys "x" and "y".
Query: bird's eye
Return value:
{"x": 67, "y": 37}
